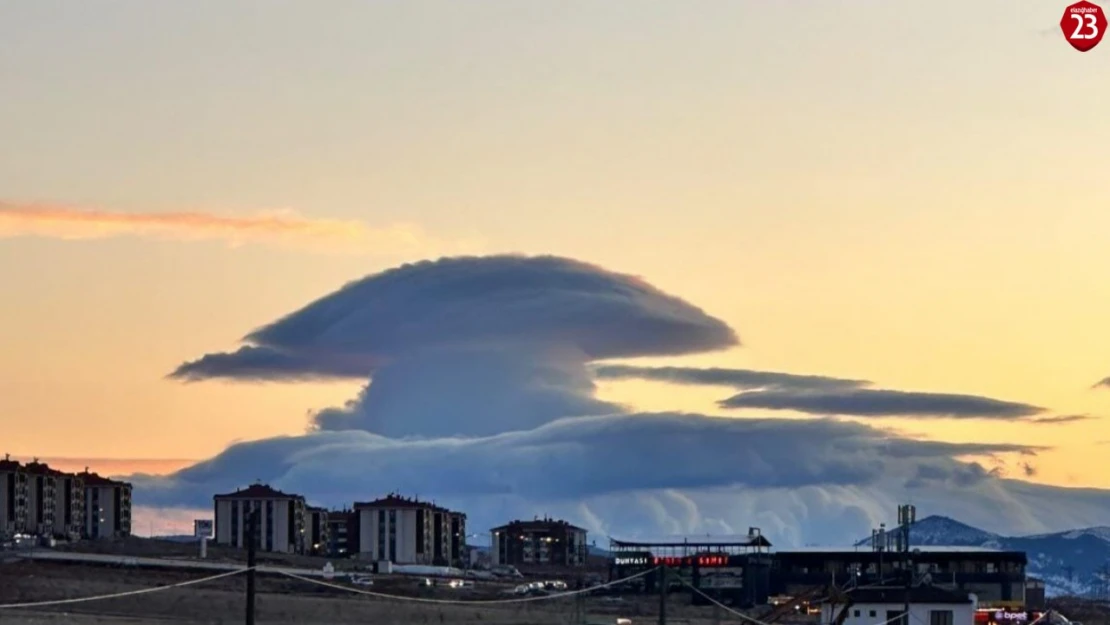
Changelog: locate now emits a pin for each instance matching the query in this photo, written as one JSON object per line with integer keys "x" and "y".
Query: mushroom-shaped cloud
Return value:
{"x": 469, "y": 346}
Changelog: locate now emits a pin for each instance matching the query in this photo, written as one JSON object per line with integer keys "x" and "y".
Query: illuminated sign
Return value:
{"x": 712, "y": 560}
{"x": 1004, "y": 616}
{"x": 703, "y": 561}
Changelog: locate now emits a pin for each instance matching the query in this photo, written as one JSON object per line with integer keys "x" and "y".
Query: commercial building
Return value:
{"x": 281, "y": 524}
{"x": 317, "y": 540}
{"x": 13, "y": 498}
{"x": 745, "y": 572}
{"x": 539, "y": 542}
{"x": 928, "y": 605}
{"x": 406, "y": 530}
{"x": 107, "y": 506}
{"x": 997, "y": 578}
{"x": 734, "y": 570}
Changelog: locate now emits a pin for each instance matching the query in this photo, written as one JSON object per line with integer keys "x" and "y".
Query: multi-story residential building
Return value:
{"x": 457, "y": 553}
{"x": 540, "y": 541}
{"x": 41, "y": 490}
{"x": 409, "y": 531}
{"x": 342, "y": 532}
{"x": 69, "y": 506}
{"x": 13, "y": 498}
{"x": 107, "y": 506}
{"x": 282, "y": 523}
{"x": 316, "y": 542}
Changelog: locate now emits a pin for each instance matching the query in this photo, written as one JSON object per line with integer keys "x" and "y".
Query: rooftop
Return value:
{"x": 40, "y": 468}
{"x": 397, "y": 501}
{"x": 93, "y": 479}
{"x": 537, "y": 524}
{"x": 868, "y": 549}
{"x": 897, "y": 595}
{"x": 257, "y": 491}
{"x": 750, "y": 540}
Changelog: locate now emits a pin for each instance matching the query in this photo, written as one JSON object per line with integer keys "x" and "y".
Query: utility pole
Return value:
{"x": 663, "y": 595}
{"x": 252, "y": 541}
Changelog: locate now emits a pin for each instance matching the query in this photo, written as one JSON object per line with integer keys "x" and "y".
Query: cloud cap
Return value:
{"x": 461, "y": 301}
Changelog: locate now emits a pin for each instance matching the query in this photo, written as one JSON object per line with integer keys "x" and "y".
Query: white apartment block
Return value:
{"x": 408, "y": 531}
{"x": 281, "y": 524}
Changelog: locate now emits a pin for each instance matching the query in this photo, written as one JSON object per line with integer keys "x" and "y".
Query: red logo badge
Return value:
{"x": 1083, "y": 24}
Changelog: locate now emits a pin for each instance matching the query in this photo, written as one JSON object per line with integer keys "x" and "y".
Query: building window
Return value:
{"x": 235, "y": 524}
{"x": 896, "y": 617}
{"x": 269, "y": 525}
{"x": 940, "y": 617}
{"x": 872, "y": 613}
{"x": 856, "y": 614}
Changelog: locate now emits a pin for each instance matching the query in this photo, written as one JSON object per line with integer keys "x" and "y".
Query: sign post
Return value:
{"x": 202, "y": 530}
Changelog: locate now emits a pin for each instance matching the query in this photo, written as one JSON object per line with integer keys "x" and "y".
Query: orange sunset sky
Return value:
{"x": 917, "y": 198}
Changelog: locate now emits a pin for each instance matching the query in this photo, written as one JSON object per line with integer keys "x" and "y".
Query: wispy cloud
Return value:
{"x": 283, "y": 227}
{"x": 1064, "y": 418}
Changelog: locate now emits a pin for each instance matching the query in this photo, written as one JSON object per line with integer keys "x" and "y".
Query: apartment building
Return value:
{"x": 282, "y": 519}
{"x": 69, "y": 506}
{"x": 342, "y": 532}
{"x": 13, "y": 498}
{"x": 316, "y": 542}
{"x": 406, "y": 530}
{"x": 41, "y": 491}
{"x": 107, "y": 506}
{"x": 539, "y": 542}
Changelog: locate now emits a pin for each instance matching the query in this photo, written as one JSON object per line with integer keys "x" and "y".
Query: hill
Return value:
{"x": 1070, "y": 562}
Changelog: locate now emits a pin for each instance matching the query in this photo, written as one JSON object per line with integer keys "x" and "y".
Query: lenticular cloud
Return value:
{"x": 480, "y": 392}
{"x": 469, "y": 346}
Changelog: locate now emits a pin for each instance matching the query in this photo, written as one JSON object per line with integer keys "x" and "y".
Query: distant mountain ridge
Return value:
{"x": 1069, "y": 562}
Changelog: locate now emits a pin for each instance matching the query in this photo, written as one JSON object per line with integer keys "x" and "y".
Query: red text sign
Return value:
{"x": 1084, "y": 24}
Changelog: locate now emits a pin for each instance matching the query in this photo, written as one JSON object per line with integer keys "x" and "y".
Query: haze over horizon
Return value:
{"x": 873, "y": 245}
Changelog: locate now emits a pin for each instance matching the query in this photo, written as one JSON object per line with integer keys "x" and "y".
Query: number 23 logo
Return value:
{"x": 1086, "y": 26}
{"x": 1083, "y": 24}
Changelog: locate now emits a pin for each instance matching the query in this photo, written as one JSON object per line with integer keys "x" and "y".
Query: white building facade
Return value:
{"x": 281, "y": 523}
{"x": 408, "y": 531}
{"x": 928, "y": 606}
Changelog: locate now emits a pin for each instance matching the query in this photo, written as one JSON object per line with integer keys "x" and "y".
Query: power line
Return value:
{"x": 130, "y": 593}
{"x": 382, "y": 595}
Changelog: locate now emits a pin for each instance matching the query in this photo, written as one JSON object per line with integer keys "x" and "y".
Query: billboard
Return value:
{"x": 202, "y": 528}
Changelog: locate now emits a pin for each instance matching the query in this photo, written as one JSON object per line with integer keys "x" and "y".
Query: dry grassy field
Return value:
{"x": 282, "y": 600}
